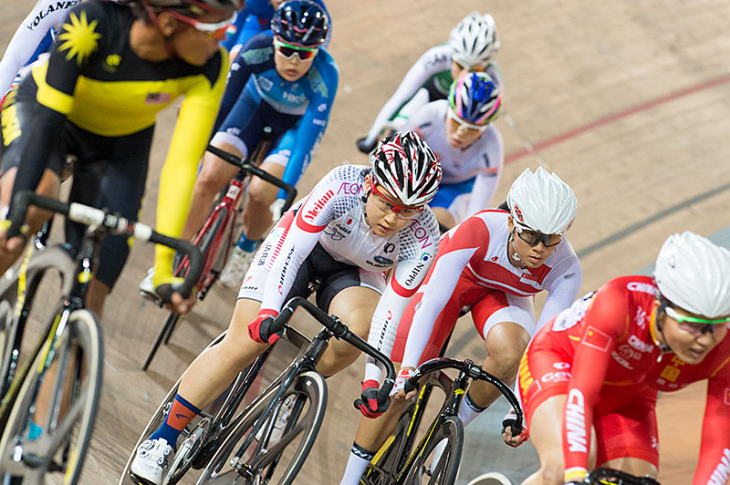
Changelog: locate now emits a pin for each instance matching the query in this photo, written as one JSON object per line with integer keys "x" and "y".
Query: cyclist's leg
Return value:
{"x": 372, "y": 433}
{"x": 256, "y": 214}
{"x": 627, "y": 434}
{"x": 506, "y": 323}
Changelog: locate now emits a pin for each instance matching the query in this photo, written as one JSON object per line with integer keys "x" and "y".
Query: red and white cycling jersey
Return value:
{"x": 603, "y": 354}
{"x": 475, "y": 252}
{"x": 333, "y": 214}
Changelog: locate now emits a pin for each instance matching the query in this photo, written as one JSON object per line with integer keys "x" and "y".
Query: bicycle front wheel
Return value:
{"x": 270, "y": 459}
{"x": 437, "y": 462}
{"x": 50, "y": 424}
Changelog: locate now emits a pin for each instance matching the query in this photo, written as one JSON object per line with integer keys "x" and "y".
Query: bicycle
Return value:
{"x": 219, "y": 227}
{"x": 394, "y": 463}
{"x": 68, "y": 353}
{"x": 609, "y": 476}
{"x": 220, "y": 440}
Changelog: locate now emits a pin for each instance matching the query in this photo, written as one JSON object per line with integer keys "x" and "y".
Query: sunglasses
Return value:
{"x": 216, "y": 30}
{"x": 693, "y": 325}
{"x": 288, "y": 51}
{"x": 386, "y": 205}
{"x": 533, "y": 238}
{"x": 464, "y": 124}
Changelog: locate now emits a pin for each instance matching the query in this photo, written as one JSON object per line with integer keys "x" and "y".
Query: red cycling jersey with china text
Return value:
{"x": 607, "y": 337}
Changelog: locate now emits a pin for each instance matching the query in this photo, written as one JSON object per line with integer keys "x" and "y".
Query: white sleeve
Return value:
{"x": 418, "y": 74}
{"x": 561, "y": 293}
{"x": 488, "y": 178}
{"x": 446, "y": 273}
{"x": 25, "y": 41}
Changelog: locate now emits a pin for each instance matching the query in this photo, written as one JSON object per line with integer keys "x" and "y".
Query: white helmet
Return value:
{"x": 694, "y": 274}
{"x": 474, "y": 40}
{"x": 541, "y": 201}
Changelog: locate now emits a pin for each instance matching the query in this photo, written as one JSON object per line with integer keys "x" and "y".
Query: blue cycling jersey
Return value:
{"x": 253, "y": 79}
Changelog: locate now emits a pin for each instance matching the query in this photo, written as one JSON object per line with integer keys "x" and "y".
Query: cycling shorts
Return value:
{"x": 625, "y": 422}
{"x": 488, "y": 307}
{"x": 110, "y": 172}
{"x": 331, "y": 276}
{"x": 244, "y": 126}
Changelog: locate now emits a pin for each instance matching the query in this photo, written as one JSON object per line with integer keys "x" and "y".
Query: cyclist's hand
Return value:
{"x": 399, "y": 393}
{"x": 365, "y": 147}
{"x": 277, "y": 209}
{"x": 261, "y": 329}
{"x": 372, "y": 402}
{"x": 180, "y": 305}
{"x": 513, "y": 440}
{"x": 10, "y": 248}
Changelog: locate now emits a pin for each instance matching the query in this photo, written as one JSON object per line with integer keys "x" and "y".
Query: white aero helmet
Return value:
{"x": 694, "y": 274}
{"x": 542, "y": 202}
{"x": 474, "y": 40}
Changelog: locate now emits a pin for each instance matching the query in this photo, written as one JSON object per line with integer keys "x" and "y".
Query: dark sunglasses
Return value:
{"x": 289, "y": 50}
{"x": 533, "y": 238}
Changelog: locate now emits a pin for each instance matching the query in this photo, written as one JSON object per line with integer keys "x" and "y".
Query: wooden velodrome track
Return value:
{"x": 627, "y": 101}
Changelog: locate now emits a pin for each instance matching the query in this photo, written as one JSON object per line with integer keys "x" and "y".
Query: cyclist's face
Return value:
{"x": 459, "y": 135}
{"x": 690, "y": 341}
{"x": 531, "y": 256}
{"x": 196, "y": 46}
{"x": 291, "y": 68}
{"x": 382, "y": 221}
{"x": 457, "y": 69}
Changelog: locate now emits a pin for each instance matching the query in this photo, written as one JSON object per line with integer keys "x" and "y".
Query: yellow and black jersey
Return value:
{"x": 94, "y": 80}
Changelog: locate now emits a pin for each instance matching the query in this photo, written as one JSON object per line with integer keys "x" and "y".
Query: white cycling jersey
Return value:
{"x": 483, "y": 159}
{"x": 45, "y": 15}
{"x": 433, "y": 61}
{"x": 333, "y": 214}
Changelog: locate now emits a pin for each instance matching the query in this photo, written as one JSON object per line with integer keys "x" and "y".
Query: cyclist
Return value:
{"x": 469, "y": 146}
{"x": 601, "y": 362}
{"x": 33, "y": 37}
{"x": 146, "y": 53}
{"x": 492, "y": 264}
{"x": 357, "y": 223}
{"x": 288, "y": 83}
{"x": 254, "y": 18}
{"x": 472, "y": 45}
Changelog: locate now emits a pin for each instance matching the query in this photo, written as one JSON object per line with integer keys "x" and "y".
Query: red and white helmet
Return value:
{"x": 407, "y": 168}
{"x": 694, "y": 274}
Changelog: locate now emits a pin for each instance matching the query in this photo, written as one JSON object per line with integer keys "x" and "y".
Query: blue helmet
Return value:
{"x": 475, "y": 97}
{"x": 300, "y": 22}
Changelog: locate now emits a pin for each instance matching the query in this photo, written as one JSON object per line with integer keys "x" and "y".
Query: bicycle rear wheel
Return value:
{"x": 272, "y": 461}
{"x": 67, "y": 418}
{"x": 384, "y": 466}
{"x": 427, "y": 468}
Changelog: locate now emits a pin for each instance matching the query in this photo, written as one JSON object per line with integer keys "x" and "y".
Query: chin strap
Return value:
{"x": 514, "y": 255}
{"x": 663, "y": 347}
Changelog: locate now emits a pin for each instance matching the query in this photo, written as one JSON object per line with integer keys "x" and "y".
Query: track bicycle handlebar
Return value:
{"x": 340, "y": 331}
{"x": 115, "y": 224}
{"x": 618, "y": 477}
{"x": 247, "y": 166}
{"x": 474, "y": 372}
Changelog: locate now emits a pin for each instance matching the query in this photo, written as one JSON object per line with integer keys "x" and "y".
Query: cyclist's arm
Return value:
{"x": 241, "y": 70}
{"x": 318, "y": 209}
{"x": 562, "y": 290}
{"x": 590, "y": 363}
{"x": 715, "y": 448}
{"x": 446, "y": 274}
{"x": 56, "y": 81}
{"x": 26, "y": 40}
{"x": 407, "y": 276}
{"x": 191, "y": 135}
{"x": 236, "y": 27}
{"x": 312, "y": 125}
{"x": 429, "y": 64}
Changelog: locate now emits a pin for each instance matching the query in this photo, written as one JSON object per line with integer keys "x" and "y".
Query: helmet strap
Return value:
{"x": 663, "y": 347}
{"x": 514, "y": 256}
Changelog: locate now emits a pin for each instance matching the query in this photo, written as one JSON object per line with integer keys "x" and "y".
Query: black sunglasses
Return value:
{"x": 533, "y": 238}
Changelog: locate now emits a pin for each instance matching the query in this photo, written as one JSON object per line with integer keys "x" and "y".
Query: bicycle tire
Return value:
{"x": 71, "y": 434}
{"x": 384, "y": 466}
{"x": 310, "y": 390}
{"x": 445, "y": 471}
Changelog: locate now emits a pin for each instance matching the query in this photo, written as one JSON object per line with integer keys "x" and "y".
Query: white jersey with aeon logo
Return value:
{"x": 333, "y": 214}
